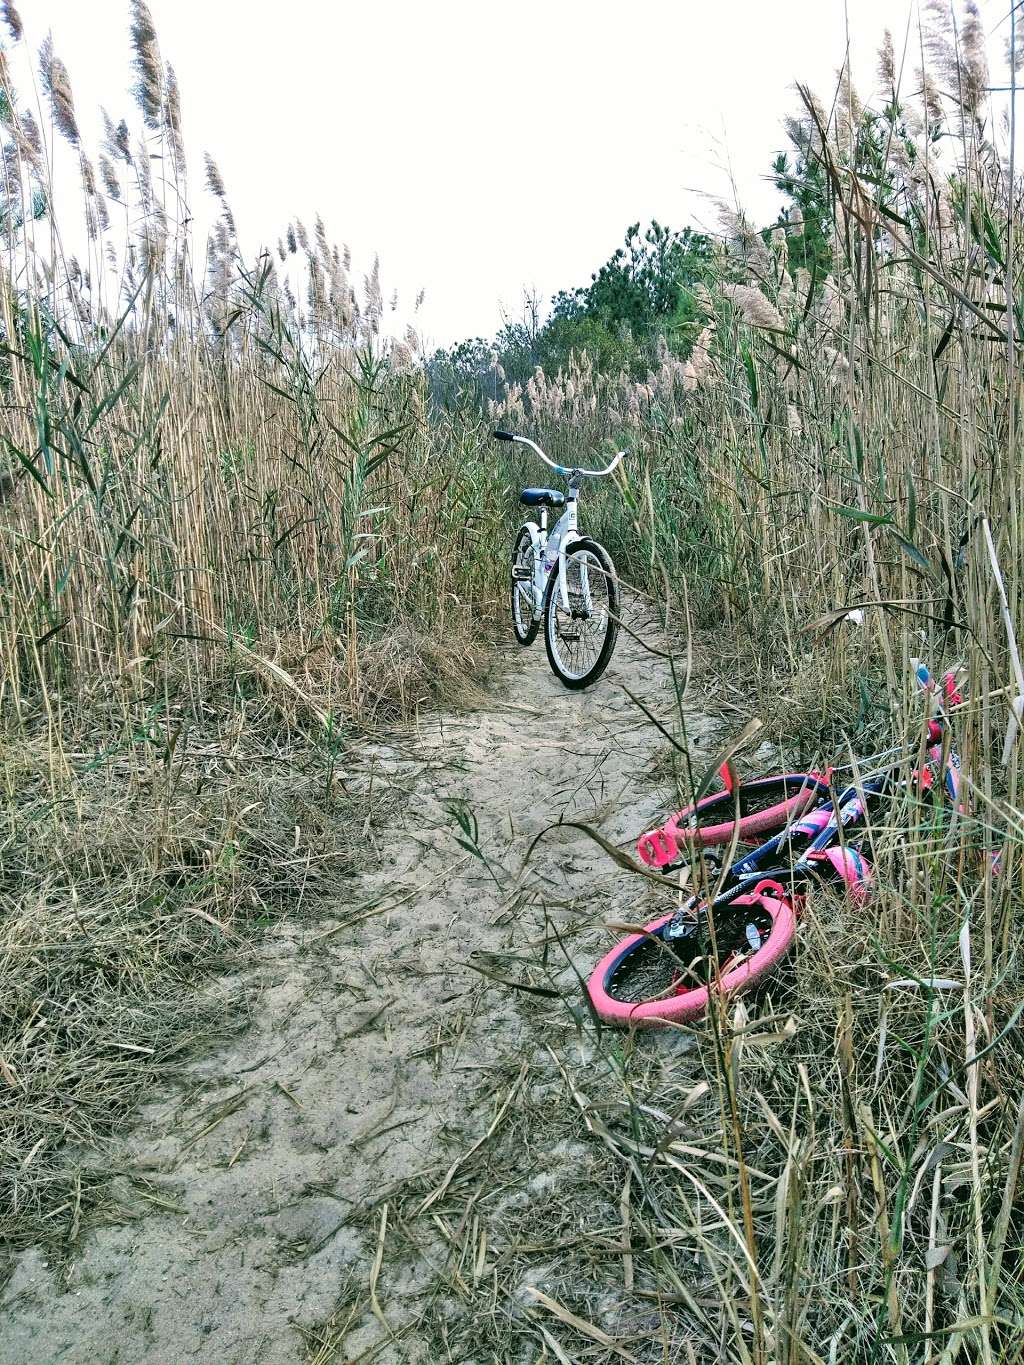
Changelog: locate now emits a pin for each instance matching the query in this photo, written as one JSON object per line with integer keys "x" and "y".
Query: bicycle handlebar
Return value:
{"x": 558, "y": 468}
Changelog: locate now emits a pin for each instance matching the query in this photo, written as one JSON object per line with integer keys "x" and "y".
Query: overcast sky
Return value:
{"x": 480, "y": 149}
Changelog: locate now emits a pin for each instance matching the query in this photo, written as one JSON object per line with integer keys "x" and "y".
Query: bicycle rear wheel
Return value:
{"x": 766, "y": 804}
{"x": 524, "y": 561}
{"x": 647, "y": 980}
{"x": 580, "y": 637}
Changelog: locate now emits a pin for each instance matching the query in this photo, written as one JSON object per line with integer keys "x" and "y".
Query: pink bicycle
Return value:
{"x": 725, "y": 943}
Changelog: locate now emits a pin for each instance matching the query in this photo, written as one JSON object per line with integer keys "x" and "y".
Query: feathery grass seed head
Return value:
{"x": 214, "y": 183}
{"x": 109, "y": 177}
{"x": 12, "y": 19}
{"x": 172, "y": 118}
{"x": 754, "y": 308}
{"x": 887, "y": 63}
{"x": 146, "y": 61}
{"x": 88, "y": 175}
{"x": 116, "y": 139}
{"x": 57, "y": 85}
{"x": 974, "y": 64}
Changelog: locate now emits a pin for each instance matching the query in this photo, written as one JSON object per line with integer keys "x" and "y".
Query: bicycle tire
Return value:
{"x": 685, "y": 1006}
{"x": 522, "y": 548}
{"x": 779, "y": 799}
{"x": 576, "y": 682}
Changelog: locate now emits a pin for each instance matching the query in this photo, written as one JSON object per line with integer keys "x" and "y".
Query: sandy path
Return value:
{"x": 367, "y": 1050}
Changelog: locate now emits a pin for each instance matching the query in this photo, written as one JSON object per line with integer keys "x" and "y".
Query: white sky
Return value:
{"x": 480, "y": 149}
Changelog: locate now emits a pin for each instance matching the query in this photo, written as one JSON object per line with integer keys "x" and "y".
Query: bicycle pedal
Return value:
{"x": 658, "y": 848}
{"x": 521, "y": 574}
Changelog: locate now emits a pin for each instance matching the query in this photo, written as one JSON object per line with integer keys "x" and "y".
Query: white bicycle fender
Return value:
{"x": 568, "y": 540}
{"x": 534, "y": 531}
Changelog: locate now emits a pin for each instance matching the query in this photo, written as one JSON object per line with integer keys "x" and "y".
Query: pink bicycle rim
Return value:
{"x": 690, "y": 1005}
{"x": 660, "y": 847}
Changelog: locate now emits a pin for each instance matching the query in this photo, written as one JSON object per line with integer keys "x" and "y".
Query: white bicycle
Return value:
{"x": 566, "y": 579}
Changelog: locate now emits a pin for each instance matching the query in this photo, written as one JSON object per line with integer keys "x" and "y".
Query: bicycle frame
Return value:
{"x": 550, "y": 547}
{"x": 824, "y": 827}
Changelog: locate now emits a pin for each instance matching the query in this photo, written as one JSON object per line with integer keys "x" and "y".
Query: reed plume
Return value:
{"x": 697, "y": 370}
{"x": 887, "y": 63}
{"x": 214, "y": 182}
{"x": 116, "y": 139}
{"x": 849, "y": 111}
{"x": 25, "y": 132}
{"x": 974, "y": 60}
{"x": 57, "y": 85}
{"x": 12, "y": 19}
{"x": 109, "y": 176}
{"x": 172, "y": 119}
{"x": 146, "y": 61}
{"x": 88, "y": 175}
{"x": 958, "y": 59}
{"x": 754, "y": 307}
{"x": 374, "y": 301}
{"x": 144, "y": 177}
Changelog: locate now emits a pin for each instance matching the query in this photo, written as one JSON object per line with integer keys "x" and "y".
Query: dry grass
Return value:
{"x": 234, "y": 532}
{"x": 149, "y": 866}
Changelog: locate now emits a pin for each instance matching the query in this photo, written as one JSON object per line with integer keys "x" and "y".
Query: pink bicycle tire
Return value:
{"x": 663, "y": 846}
{"x": 692, "y": 1004}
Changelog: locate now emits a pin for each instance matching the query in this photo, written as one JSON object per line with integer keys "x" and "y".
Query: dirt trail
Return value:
{"x": 368, "y": 1044}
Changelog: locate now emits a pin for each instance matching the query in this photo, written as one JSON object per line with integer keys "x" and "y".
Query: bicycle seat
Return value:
{"x": 542, "y": 497}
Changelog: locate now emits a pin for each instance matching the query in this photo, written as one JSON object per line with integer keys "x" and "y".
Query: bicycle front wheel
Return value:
{"x": 580, "y": 625}
{"x": 647, "y": 979}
